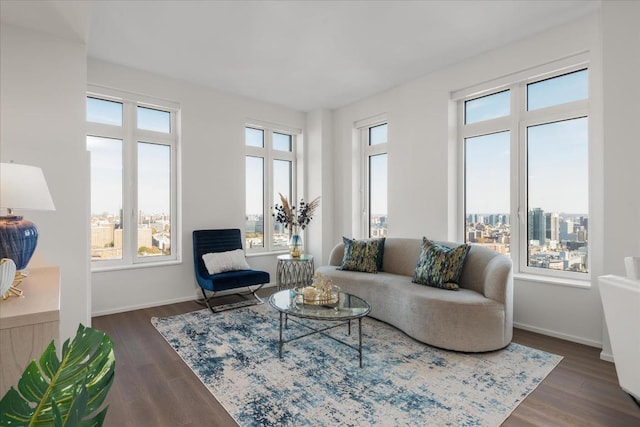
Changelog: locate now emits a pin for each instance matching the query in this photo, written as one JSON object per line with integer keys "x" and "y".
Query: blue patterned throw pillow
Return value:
{"x": 362, "y": 255}
{"x": 440, "y": 266}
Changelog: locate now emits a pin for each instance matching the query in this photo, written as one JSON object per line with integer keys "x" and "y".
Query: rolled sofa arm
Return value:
{"x": 498, "y": 279}
{"x": 336, "y": 255}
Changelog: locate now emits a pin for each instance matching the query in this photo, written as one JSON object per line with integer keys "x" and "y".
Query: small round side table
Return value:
{"x": 294, "y": 272}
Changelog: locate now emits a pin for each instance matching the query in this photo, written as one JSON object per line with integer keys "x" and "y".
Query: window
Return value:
{"x": 270, "y": 168}
{"x": 526, "y": 181}
{"x": 375, "y": 155}
{"x": 133, "y": 144}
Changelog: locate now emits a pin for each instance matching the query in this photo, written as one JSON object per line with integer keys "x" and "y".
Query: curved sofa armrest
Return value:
{"x": 336, "y": 255}
{"x": 488, "y": 273}
{"x": 498, "y": 279}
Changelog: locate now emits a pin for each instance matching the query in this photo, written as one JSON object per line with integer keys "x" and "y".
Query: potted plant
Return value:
{"x": 294, "y": 222}
{"x": 64, "y": 392}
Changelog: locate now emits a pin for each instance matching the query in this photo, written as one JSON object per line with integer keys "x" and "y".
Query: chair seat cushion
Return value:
{"x": 235, "y": 279}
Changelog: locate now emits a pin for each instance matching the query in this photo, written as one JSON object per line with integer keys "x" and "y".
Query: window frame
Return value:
{"x": 517, "y": 124}
{"x": 131, "y": 136}
{"x": 366, "y": 152}
{"x": 268, "y": 154}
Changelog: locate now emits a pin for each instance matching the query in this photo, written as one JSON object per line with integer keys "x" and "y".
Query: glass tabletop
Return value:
{"x": 287, "y": 257}
{"x": 348, "y": 307}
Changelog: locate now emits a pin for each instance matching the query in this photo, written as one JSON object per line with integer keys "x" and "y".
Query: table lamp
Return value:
{"x": 21, "y": 187}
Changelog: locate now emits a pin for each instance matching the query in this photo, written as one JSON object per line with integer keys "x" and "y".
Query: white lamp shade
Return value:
{"x": 24, "y": 187}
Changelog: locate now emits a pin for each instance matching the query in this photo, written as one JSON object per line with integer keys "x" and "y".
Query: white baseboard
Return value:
{"x": 144, "y": 305}
{"x": 193, "y": 297}
{"x": 555, "y": 334}
{"x": 607, "y": 357}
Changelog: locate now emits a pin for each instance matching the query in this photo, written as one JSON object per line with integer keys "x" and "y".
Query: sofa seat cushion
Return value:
{"x": 464, "y": 320}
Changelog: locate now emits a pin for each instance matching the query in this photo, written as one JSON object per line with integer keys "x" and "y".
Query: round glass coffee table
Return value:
{"x": 349, "y": 307}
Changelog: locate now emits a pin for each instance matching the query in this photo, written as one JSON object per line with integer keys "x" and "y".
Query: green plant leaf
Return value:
{"x": 64, "y": 392}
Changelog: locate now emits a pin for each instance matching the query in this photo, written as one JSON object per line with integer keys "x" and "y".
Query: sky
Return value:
{"x": 557, "y": 153}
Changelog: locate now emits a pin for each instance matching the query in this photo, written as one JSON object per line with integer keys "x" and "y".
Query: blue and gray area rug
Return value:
{"x": 318, "y": 381}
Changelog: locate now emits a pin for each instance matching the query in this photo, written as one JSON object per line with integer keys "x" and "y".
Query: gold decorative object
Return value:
{"x": 321, "y": 292}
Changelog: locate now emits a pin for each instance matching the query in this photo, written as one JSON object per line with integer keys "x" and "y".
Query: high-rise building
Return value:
{"x": 537, "y": 226}
{"x": 552, "y": 222}
{"x": 566, "y": 230}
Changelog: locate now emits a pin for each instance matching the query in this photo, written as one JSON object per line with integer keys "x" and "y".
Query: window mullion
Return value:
{"x": 364, "y": 187}
{"x": 130, "y": 191}
{"x": 518, "y": 178}
{"x": 268, "y": 197}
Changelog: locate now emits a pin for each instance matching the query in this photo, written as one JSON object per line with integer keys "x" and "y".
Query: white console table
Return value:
{"x": 28, "y": 323}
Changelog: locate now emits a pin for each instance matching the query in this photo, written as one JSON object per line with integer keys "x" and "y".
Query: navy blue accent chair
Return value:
{"x": 223, "y": 240}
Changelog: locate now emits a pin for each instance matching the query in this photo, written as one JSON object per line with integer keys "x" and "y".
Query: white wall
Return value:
{"x": 42, "y": 89}
{"x": 318, "y": 170}
{"x": 621, "y": 62}
{"x": 212, "y": 181}
{"x": 621, "y": 41}
{"x": 423, "y": 162}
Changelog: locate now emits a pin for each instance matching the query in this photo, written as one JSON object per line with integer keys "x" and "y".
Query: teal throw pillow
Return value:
{"x": 363, "y": 255}
{"x": 440, "y": 266}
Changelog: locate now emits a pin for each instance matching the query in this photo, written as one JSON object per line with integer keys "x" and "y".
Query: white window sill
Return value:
{"x": 536, "y": 278}
{"x": 95, "y": 269}
{"x": 270, "y": 253}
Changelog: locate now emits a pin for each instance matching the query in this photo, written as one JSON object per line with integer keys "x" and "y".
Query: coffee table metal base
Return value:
{"x": 284, "y": 318}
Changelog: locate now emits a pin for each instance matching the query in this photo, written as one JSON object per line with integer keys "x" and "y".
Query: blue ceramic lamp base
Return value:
{"x": 18, "y": 239}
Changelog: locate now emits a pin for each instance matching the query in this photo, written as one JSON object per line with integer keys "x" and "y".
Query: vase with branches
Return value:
{"x": 295, "y": 220}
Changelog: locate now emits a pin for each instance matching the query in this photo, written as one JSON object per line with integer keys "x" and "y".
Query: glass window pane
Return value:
{"x": 558, "y": 90}
{"x": 281, "y": 185}
{"x": 254, "y": 137}
{"x": 487, "y": 191}
{"x": 487, "y": 107}
{"x": 155, "y": 120}
{"x": 558, "y": 195}
{"x": 378, "y": 195}
{"x": 281, "y": 142}
{"x": 254, "y": 231}
{"x": 106, "y": 198}
{"x": 378, "y": 134}
{"x": 102, "y": 111}
{"x": 154, "y": 200}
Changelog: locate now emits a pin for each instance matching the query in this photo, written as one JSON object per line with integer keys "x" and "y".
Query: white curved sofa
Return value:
{"x": 478, "y": 317}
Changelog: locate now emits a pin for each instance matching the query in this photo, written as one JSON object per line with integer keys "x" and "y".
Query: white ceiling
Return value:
{"x": 303, "y": 55}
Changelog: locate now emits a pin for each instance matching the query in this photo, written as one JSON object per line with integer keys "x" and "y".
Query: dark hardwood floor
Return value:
{"x": 153, "y": 387}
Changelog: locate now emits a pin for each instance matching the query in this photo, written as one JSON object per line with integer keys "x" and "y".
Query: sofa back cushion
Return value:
{"x": 401, "y": 256}
{"x": 439, "y": 265}
{"x": 363, "y": 255}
